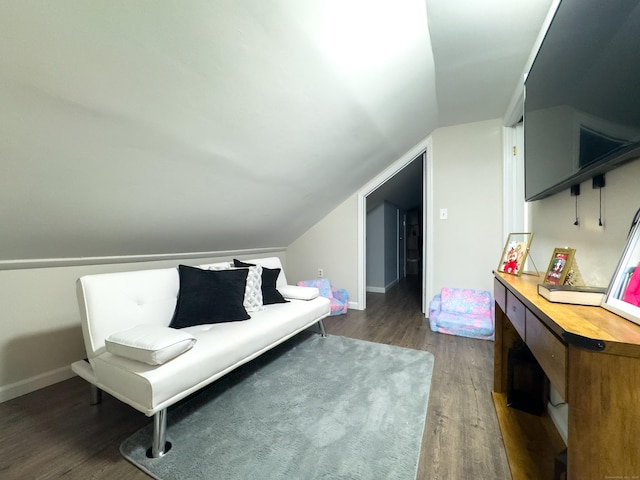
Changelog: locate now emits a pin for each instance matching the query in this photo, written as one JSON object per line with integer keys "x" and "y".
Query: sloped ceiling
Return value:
{"x": 143, "y": 127}
{"x": 480, "y": 51}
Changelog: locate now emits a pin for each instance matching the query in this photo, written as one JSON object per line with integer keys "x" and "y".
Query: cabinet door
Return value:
{"x": 550, "y": 352}
{"x": 515, "y": 311}
{"x": 604, "y": 423}
{"x": 500, "y": 294}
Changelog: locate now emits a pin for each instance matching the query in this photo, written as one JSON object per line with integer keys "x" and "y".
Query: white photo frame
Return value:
{"x": 623, "y": 295}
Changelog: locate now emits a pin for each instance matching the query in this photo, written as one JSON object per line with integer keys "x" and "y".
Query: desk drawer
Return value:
{"x": 550, "y": 352}
{"x": 515, "y": 311}
{"x": 499, "y": 294}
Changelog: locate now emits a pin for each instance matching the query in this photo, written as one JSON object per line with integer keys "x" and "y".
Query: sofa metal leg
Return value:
{"x": 323, "y": 332}
{"x": 160, "y": 446}
{"x": 96, "y": 395}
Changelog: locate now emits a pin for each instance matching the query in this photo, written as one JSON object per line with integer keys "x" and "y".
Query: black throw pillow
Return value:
{"x": 239, "y": 263}
{"x": 209, "y": 296}
{"x": 270, "y": 293}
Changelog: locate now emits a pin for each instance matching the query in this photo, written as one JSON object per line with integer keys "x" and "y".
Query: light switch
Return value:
{"x": 444, "y": 214}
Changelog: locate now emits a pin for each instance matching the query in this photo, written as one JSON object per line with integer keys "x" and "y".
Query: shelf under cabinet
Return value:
{"x": 531, "y": 442}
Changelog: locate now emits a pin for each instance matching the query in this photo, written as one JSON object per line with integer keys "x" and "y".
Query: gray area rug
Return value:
{"x": 329, "y": 408}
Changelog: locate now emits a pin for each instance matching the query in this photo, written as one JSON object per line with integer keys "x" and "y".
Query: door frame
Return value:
{"x": 424, "y": 149}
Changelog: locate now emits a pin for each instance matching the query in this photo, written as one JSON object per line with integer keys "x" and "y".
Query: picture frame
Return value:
{"x": 515, "y": 252}
{"x": 623, "y": 294}
{"x": 559, "y": 266}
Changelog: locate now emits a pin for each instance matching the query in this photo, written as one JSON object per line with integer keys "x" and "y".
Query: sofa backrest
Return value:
{"x": 112, "y": 302}
{"x": 466, "y": 301}
{"x": 271, "y": 262}
{"x": 268, "y": 262}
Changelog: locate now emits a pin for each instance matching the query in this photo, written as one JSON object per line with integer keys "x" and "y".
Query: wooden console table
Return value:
{"x": 592, "y": 358}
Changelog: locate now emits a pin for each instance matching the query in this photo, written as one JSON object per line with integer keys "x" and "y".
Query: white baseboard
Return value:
{"x": 384, "y": 289}
{"x": 28, "y": 385}
{"x": 355, "y": 306}
{"x": 376, "y": 289}
{"x": 391, "y": 285}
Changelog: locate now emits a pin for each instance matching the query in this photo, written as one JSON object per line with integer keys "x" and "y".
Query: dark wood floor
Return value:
{"x": 55, "y": 433}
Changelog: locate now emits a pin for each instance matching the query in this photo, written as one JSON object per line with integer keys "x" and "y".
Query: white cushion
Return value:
{"x": 294, "y": 292}
{"x": 152, "y": 344}
{"x": 217, "y": 266}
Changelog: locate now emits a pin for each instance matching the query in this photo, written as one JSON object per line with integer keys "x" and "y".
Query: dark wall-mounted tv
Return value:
{"x": 582, "y": 95}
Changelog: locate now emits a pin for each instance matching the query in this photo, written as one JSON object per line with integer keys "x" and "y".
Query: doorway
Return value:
{"x": 405, "y": 187}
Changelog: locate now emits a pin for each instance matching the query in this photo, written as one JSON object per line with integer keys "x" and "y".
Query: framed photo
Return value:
{"x": 623, "y": 295}
{"x": 515, "y": 253}
{"x": 559, "y": 266}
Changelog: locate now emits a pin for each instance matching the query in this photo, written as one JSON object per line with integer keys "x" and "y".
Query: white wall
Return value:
{"x": 598, "y": 249}
{"x": 375, "y": 242}
{"x": 41, "y": 334}
{"x": 382, "y": 248}
{"x": 467, "y": 181}
{"x": 331, "y": 244}
{"x": 390, "y": 245}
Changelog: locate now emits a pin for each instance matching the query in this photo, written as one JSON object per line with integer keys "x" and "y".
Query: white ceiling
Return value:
{"x": 156, "y": 127}
{"x": 480, "y": 50}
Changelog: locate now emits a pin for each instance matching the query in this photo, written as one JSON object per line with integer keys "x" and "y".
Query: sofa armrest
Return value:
{"x": 340, "y": 294}
{"x": 434, "y": 306}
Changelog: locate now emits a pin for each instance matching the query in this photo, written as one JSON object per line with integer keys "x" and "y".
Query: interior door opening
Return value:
{"x": 394, "y": 231}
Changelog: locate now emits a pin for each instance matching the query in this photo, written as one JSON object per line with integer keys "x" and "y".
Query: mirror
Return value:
{"x": 623, "y": 296}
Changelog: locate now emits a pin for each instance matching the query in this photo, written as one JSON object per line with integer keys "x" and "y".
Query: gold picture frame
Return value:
{"x": 559, "y": 266}
{"x": 515, "y": 253}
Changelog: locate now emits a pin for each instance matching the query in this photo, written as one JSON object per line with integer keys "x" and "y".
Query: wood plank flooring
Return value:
{"x": 55, "y": 433}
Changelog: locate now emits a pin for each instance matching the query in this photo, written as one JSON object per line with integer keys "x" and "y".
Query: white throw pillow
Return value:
{"x": 294, "y": 292}
{"x": 152, "y": 344}
{"x": 217, "y": 266}
{"x": 253, "y": 290}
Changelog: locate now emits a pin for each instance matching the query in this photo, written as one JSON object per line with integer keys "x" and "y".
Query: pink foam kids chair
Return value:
{"x": 463, "y": 312}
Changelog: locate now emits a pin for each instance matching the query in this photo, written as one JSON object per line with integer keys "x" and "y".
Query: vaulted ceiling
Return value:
{"x": 140, "y": 127}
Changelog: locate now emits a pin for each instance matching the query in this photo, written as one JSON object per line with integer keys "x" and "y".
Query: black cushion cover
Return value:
{"x": 209, "y": 296}
{"x": 240, "y": 263}
{"x": 270, "y": 293}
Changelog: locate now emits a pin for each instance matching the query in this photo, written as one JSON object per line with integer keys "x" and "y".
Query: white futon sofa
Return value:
{"x": 133, "y": 354}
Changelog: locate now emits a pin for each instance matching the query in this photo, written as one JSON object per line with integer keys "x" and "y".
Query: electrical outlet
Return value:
{"x": 320, "y": 273}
